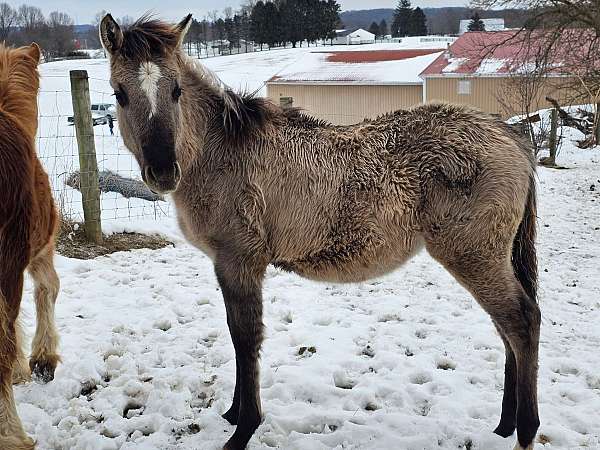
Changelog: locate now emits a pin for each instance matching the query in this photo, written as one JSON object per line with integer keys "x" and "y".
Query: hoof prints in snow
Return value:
{"x": 396, "y": 364}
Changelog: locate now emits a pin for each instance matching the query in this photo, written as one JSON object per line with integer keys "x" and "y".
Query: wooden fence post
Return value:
{"x": 88, "y": 167}
{"x": 553, "y": 139}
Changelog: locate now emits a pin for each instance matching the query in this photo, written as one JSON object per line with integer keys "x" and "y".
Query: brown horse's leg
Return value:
{"x": 44, "y": 356}
{"x": 492, "y": 282}
{"x": 508, "y": 418}
{"x": 12, "y": 435}
{"x": 21, "y": 371}
{"x": 240, "y": 283}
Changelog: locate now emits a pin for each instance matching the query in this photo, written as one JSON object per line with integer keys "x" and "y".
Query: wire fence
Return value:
{"x": 58, "y": 152}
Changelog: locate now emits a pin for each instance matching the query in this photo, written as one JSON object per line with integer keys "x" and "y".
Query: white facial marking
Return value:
{"x": 149, "y": 77}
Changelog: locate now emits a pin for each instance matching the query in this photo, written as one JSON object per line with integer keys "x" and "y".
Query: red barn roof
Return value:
{"x": 502, "y": 52}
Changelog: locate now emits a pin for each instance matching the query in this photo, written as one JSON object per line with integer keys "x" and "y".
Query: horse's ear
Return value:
{"x": 111, "y": 35}
{"x": 35, "y": 52}
{"x": 182, "y": 28}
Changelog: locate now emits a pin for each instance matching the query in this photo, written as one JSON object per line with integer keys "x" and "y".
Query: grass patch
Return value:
{"x": 72, "y": 243}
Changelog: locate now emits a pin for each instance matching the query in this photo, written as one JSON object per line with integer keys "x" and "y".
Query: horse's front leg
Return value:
{"x": 241, "y": 283}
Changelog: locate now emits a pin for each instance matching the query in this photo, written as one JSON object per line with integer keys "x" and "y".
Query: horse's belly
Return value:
{"x": 359, "y": 268}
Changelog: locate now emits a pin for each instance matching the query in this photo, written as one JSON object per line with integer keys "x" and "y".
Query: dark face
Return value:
{"x": 148, "y": 114}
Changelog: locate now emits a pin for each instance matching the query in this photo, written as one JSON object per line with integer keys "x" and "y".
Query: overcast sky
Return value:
{"x": 83, "y": 11}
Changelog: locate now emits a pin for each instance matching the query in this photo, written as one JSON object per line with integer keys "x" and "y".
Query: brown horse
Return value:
{"x": 255, "y": 185}
{"x": 28, "y": 224}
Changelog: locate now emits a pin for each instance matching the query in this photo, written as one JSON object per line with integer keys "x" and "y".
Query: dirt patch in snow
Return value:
{"x": 72, "y": 243}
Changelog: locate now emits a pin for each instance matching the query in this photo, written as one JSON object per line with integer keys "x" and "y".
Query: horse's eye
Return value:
{"x": 121, "y": 98}
{"x": 176, "y": 93}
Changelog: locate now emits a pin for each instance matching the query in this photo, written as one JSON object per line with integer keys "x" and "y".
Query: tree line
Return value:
{"x": 271, "y": 23}
{"x": 26, "y": 24}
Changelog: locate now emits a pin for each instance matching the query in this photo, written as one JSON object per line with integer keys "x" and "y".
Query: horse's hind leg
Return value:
{"x": 508, "y": 418}
{"x": 12, "y": 435}
{"x": 44, "y": 354}
{"x": 21, "y": 371}
{"x": 491, "y": 280}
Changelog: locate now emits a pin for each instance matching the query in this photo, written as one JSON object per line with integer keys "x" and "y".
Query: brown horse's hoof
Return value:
{"x": 43, "y": 369}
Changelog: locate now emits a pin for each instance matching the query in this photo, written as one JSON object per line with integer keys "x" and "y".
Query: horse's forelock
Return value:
{"x": 148, "y": 38}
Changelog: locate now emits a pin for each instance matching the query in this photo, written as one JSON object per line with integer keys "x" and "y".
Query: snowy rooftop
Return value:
{"x": 502, "y": 52}
{"x": 374, "y": 66}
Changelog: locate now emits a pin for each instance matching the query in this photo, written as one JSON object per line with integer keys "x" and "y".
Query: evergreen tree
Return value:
{"x": 374, "y": 28}
{"x": 402, "y": 18}
{"x": 476, "y": 23}
{"x": 258, "y": 24}
{"x": 383, "y": 28}
{"x": 418, "y": 23}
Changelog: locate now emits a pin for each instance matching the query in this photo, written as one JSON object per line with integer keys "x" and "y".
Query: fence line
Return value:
{"x": 57, "y": 149}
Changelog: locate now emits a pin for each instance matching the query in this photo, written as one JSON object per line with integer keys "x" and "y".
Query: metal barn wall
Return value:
{"x": 496, "y": 95}
{"x": 347, "y": 104}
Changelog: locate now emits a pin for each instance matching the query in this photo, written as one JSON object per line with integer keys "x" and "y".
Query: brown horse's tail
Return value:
{"x": 524, "y": 259}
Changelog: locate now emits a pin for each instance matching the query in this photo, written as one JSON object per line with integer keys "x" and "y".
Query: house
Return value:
{"x": 488, "y": 70}
{"x": 353, "y": 37}
{"x": 346, "y": 87}
{"x": 490, "y": 25}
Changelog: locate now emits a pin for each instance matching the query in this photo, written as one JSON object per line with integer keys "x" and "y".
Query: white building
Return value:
{"x": 490, "y": 25}
{"x": 353, "y": 37}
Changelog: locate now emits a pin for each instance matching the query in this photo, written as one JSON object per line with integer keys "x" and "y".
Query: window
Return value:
{"x": 464, "y": 87}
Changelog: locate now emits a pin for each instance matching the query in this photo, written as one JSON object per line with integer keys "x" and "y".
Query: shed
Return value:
{"x": 346, "y": 87}
{"x": 353, "y": 37}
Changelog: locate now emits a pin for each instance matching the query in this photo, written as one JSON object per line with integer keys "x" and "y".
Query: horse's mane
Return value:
{"x": 243, "y": 114}
{"x": 19, "y": 83}
{"x": 148, "y": 38}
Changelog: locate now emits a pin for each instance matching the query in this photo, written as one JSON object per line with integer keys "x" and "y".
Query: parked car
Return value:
{"x": 100, "y": 113}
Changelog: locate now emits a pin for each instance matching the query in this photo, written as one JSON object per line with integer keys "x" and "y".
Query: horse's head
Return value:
{"x": 144, "y": 61}
{"x": 19, "y": 83}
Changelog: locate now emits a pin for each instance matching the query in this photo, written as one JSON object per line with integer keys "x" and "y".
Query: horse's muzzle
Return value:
{"x": 162, "y": 180}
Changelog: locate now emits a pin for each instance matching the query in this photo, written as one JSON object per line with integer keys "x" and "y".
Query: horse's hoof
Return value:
{"x": 231, "y": 416}
{"x": 43, "y": 369}
{"x": 518, "y": 446}
{"x": 505, "y": 429}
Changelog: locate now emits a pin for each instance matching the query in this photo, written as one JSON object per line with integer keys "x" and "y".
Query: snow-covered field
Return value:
{"x": 148, "y": 363}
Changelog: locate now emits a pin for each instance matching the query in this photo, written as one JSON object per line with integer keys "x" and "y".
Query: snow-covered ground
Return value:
{"x": 148, "y": 363}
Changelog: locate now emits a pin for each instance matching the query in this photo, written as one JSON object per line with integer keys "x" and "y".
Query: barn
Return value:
{"x": 353, "y": 37}
{"x": 345, "y": 87}
{"x": 489, "y": 71}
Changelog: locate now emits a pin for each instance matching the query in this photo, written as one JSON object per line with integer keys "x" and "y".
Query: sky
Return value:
{"x": 83, "y": 11}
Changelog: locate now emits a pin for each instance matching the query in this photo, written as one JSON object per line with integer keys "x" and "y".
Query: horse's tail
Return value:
{"x": 524, "y": 259}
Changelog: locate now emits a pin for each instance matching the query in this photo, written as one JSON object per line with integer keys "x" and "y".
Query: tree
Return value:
{"x": 383, "y": 28}
{"x": 565, "y": 33}
{"x": 8, "y": 20}
{"x": 32, "y": 27}
{"x": 61, "y": 37}
{"x": 374, "y": 28}
{"x": 418, "y": 23}
{"x": 476, "y": 23}
{"x": 402, "y": 18}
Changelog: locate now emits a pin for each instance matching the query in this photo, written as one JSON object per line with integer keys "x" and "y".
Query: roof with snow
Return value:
{"x": 498, "y": 54}
{"x": 496, "y": 24}
{"x": 390, "y": 65}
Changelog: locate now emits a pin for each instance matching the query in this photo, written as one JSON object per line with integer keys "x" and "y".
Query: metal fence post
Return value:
{"x": 88, "y": 167}
{"x": 597, "y": 124}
